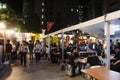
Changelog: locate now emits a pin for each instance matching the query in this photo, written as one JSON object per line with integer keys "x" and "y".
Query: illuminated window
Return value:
{"x": 71, "y": 9}
{"x": 77, "y": 10}
{"x": 42, "y": 22}
{"x": 43, "y": 4}
{"x": 42, "y": 16}
{"x": 42, "y": 10}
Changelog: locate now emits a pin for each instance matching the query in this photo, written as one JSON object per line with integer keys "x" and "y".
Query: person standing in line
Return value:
{"x": 1, "y": 52}
{"x": 37, "y": 50}
{"x": 31, "y": 46}
{"x": 24, "y": 51}
{"x": 8, "y": 51}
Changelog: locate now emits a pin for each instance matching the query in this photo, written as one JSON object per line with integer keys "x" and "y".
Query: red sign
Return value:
{"x": 49, "y": 25}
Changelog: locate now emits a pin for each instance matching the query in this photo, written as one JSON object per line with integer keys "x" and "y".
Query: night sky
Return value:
{"x": 16, "y": 5}
{"x": 59, "y": 11}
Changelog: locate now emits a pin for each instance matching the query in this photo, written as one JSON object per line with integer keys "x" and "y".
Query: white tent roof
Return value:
{"x": 94, "y": 27}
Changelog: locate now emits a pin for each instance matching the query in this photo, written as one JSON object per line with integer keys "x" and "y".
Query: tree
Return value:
{"x": 9, "y": 17}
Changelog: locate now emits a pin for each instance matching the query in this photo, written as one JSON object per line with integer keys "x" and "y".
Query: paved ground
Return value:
{"x": 42, "y": 70}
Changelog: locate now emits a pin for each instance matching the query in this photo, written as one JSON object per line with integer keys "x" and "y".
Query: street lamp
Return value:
{"x": 2, "y": 26}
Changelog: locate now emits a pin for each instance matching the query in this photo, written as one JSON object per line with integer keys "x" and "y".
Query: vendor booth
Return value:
{"x": 105, "y": 27}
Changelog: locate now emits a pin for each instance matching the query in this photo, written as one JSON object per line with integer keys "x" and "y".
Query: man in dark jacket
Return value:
{"x": 8, "y": 51}
{"x": 31, "y": 46}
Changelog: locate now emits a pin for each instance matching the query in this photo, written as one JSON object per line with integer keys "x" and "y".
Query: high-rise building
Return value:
{"x": 63, "y": 13}
{"x": 40, "y": 11}
{"x": 28, "y": 7}
{"x": 96, "y": 8}
{"x": 92, "y": 9}
{"x": 31, "y": 18}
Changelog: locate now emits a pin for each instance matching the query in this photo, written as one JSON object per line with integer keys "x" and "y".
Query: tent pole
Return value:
{"x": 62, "y": 46}
{"x": 49, "y": 46}
{"x": 107, "y": 30}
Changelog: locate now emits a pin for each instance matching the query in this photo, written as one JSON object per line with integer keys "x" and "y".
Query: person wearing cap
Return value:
{"x": 115, "y": 64}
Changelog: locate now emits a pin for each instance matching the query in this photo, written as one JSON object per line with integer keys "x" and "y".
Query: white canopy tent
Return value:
{"x": 94, "y": 27}
{"x": 98, "y": 27}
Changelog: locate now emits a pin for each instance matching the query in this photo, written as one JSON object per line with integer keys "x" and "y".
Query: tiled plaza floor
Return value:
{"x": 42, "y": 70}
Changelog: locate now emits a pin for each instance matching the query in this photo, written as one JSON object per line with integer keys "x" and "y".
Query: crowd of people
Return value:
{"x": 92, "y": 59}
{"x": 54, "y": 54}
{"x": 19, "y": 51}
